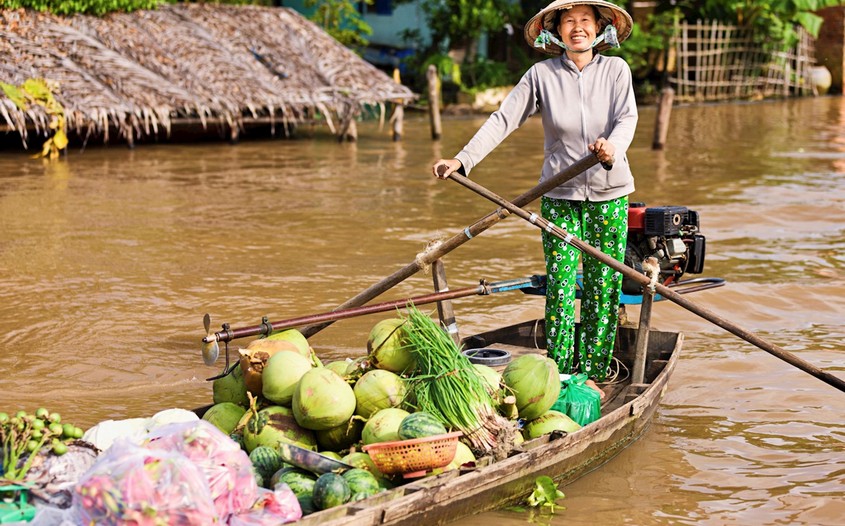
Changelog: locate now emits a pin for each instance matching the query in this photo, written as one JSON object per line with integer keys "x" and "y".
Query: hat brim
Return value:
{"x": 617, "y": 16}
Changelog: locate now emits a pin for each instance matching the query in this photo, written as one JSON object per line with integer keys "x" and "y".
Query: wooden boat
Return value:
{"x": 626, "y": 412}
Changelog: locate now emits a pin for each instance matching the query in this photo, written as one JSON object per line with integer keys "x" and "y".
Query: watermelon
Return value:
{"x": 419, "y": 425}
{"x": 361, "y": 481}
{"x": 306, "y": 503}
{"x": 300, "y": 482}
{"x": 266, "y": 461}
{"x": 330, "y": 490}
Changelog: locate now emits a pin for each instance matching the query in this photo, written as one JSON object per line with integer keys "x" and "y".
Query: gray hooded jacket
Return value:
{"x": 577, "y": 107}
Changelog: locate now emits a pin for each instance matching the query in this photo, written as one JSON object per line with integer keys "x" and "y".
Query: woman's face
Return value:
{"x": 578, "y": 27}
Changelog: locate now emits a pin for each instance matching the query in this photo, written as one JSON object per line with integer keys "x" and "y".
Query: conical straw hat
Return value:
{"x": 610, "y": 14}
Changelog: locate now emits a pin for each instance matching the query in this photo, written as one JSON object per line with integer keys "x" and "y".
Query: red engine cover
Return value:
{"x": 636, "y": 218}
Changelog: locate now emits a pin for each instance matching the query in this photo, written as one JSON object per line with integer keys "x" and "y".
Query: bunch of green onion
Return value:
{"x": 447, "y": 385}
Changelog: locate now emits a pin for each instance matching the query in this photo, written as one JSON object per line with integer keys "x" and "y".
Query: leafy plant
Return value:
{"x": 40, "y": 92}
{"x": 774, "y": 22}
{"x": 545, "y": 494}
{"x": 341, "y": 19}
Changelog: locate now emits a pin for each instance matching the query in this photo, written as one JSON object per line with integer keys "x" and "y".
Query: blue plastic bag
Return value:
{"x": 578, "y": 401}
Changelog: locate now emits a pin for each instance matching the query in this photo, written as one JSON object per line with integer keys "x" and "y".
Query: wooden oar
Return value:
{"x": 482, "y": 289}
{"x": 458, "y": 239}
{"x": 667, "y": 293}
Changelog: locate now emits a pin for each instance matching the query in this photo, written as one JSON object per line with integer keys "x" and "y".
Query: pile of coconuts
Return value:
{"x": 280, "y": 392}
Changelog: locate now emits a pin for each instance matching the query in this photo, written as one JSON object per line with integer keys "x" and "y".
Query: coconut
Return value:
{"x": 340, "y": 437}
{"x": 362, "y": 461}
{"x": 254, "y": 358}
{"x": 549, "y": 421}
{"x": 225, "y": 416}
{"x": 274, "y": 425}
{"x": 231, "y": 388}
{"x": 322, "y": 400}
{"x": 339, "y": 367}
{"x": 378, "y": 389}
{"x": 535, "y": 383}
{"x": 293, "y": 336}
{"x": 280, "y": 376}
{"x": 492, "y": 378}
{"x": 383, "y": 426}
{"x": 463, "y": 455}
{"x": 389, "y": 348}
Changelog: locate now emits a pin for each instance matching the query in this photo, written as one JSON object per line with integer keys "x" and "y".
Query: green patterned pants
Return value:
{"x": 604, "y": 225}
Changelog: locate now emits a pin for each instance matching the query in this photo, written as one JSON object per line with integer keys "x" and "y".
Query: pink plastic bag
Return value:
{"x": 131, "y": 485}
{"x": 227, "y": 468}
{"x": 272, "y": 507}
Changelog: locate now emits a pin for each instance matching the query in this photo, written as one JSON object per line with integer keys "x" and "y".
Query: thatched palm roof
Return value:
{"x": 138, "y": 72}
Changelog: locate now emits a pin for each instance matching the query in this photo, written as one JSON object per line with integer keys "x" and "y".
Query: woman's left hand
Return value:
{"x": 604, "y": 150}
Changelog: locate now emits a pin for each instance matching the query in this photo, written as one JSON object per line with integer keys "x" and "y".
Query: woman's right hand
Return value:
{"x": 442, "y": 168}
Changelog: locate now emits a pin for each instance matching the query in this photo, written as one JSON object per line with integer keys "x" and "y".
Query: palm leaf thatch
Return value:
{"x": 143, "y": 71}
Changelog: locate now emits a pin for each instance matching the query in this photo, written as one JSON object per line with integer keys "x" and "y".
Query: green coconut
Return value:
{"x": 274, "y": 425}
{"x": 492, "y": 378}
{"x": 362, "y": 461}
{"x": 383, "y": 426}
{"x": 378, "y": 389}
{"x": 322, "y": 400}
{"x": 340, "y": 437}
{"x": 225, "y": 416}
{"x": 230, "y": 388}
{"x": 535, "y": 383}
{"x": 547, "y": 422}
{"x": 296, "y": 338}
{"x": 280, "y": 376}
{"x": 389, "y": 348}
{"x": 339, "y": 367}
{"x": 463, "y": 455}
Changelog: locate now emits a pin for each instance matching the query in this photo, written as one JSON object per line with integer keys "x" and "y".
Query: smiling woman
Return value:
{"x": 586, "y": 102}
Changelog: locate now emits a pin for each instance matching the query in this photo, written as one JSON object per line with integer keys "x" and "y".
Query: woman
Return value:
{"x": 586, "y": 102}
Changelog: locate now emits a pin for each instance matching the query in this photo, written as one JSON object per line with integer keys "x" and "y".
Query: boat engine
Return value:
{"x": 668, "y": 233}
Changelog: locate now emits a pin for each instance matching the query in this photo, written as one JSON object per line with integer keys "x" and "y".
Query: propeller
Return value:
{"x": 210, "y": 347}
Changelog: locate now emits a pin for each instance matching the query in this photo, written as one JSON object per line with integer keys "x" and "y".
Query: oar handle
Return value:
{"x": 667, "y": 293}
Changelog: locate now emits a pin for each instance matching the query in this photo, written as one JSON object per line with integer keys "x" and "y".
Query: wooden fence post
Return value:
{"x": 434, "y": 101}
{"x": 664, "y": 111}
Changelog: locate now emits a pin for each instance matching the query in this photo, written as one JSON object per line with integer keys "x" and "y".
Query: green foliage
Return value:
{"x": 774, "y": 22}
{"x": 341, "y": 19}
{"x": 40, "y": 93}
{"x": 545, "y": 493}
{"x": 483, "y": 74}
{"x": 459, "y": 22}
{"x": 102, "y": 7}
{"x": 89, "y": 7}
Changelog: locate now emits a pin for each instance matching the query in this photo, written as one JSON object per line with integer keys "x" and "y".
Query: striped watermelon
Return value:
{"x": 419, "y": 425}
{"x": 266, "y": 461}
{"x": 330, "y": 490}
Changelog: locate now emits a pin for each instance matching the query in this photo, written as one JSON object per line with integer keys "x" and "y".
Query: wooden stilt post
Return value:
{"x": 398, "y": 117}
{"x": 664, "y": 111}
{"x": 434, "y": 101}
{"x": 444, "y": 308}
{"x": 398, "y": 121}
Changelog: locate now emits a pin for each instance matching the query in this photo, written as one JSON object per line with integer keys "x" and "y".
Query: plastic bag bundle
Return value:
{"x": 272, "y": 507}
{"x": 578, "y": 401}
{"x": 227, "y": 468}
{"x": 133, "y": 485}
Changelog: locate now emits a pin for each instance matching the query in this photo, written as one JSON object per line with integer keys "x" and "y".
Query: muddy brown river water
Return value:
{"x": 109, "y": 258}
